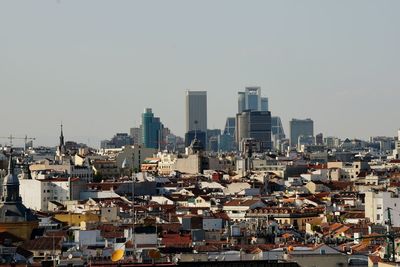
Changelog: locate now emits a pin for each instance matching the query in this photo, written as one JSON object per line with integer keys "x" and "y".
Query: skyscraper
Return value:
{"x": 264, "y": 104}
{"x": 256, "y": 125}
{"x": 241, "y": 101}
{"x": 196, "y": 117}
{"x": 196, "y": 111}
{"x": 277, "y": 130}
{"x": 230, "y": 126}
{"x": 300, "y": 128}
{"x": 251, "y": 99}
{"x": 152, "y": 129}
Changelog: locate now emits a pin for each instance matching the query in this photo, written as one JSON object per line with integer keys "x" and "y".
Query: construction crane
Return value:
{"x": 26, "y": 139}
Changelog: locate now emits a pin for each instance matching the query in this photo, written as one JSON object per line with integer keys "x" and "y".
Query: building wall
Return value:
{"x": 134, "y": 155}
{"x": 36, "y": 194}
{"x": 376, "y": 205}
{"x": 31, "y": 193}
{"x": 328, "y": 260}
{"x": 196, "y": 110}
{"x": 254, "y": 124}
{"x": 20, "y": 229}
{"x": 300, "y": 127}
{"x": 191, "y": 164}
{"x": 76, "y": 219}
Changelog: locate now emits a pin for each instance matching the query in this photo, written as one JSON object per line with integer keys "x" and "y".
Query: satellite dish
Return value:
{"x": 117, "y": 255}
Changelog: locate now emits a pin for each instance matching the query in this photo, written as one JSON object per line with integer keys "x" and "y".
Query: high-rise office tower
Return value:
{"x": 277, "y": 131}
{"x": 241, "y": 101}
{"x": 253, "y": 98}
{"x": 151, "y": 129}
{"x": 256, "y": 125}
{"x": 196, "y": 111}
{"x": 264, "y": 104}
{"x": 300, "y": 128}
{"x": 196, "y": 116}
{"x": 230, "y": 126}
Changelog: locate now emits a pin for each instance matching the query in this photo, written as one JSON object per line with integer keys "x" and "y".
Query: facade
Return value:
{"x": 230, "y": 126}
{"x": 377, "y": 205}
{"x": 300, "y": 128}
{"x": 256, "y": 125}
{"x": 38, "y": 193}
{"x": 105, "y": 168}
{"x": 151, "y": 129}
{"x": 134, "y": 156}
{"x": 241, "y": 101}
{"x": 196, "y": 111}
{"x": 264, "y": 104}
{"x": 253, "y": 98}
{"x": 15, "y": 218}
{"x": 277, "y": 131}
{"x": 136, "y": 135}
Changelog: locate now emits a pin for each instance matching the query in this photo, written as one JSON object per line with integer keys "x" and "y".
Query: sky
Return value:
{"x": 96, "y": 65}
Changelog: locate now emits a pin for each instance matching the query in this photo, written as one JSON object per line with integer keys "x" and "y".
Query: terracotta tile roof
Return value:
{"x": 176, "y": 240}
{"x": 43, "y": 243}
{"x": 241, "y": 202}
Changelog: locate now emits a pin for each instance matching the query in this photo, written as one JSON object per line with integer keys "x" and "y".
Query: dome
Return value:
{"x": 10, "y": 178}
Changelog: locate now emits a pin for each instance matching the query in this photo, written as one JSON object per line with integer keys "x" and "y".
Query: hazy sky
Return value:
{"x": 95, "y": 65}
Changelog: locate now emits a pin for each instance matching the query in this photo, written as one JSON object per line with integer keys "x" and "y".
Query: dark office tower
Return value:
{"x": 196, "y": 117}
{"x": 255, "y": 125}
{"x": 196, "y": 111}
{"x": 319, "y": 139}
{"x": 230, "y": 126}
{"x": 264, "y": 104}
{"x": 241, "y": 101}
{"x": 152, "y": 129}
{"x": 300, "y": 128}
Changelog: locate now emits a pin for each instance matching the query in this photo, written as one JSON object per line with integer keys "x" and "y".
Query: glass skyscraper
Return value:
{"x": 151, "y": 129}
{"x": 251, "y": 99}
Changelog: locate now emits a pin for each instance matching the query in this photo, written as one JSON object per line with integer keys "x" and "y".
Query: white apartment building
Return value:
{"x": 377, "y": 204}
{"x": 36, "y": 194}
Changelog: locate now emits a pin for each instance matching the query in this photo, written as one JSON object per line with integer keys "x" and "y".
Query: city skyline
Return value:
{"x": 312, "y": 60}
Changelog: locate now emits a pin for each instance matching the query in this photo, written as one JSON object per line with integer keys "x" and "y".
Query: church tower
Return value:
{"x": 61, "y": 147}
{"x": 11, "y": 185}
{"x": 15, "y": 218}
